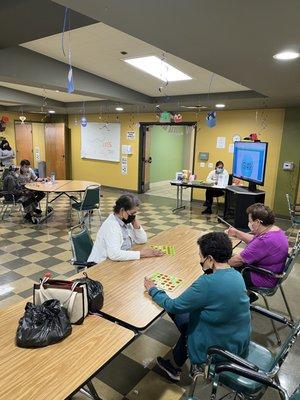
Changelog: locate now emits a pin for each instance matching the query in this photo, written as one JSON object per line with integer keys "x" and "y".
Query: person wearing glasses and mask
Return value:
{"x": 119, "y": 232}
{"x": 213, "y": 311}
{"x": 266, "y": 247}
{"x": 219, "y": 177}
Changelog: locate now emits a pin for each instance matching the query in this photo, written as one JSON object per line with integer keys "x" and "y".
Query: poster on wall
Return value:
{"x": 124, "y": 165}
{"x": 101, "y": 141}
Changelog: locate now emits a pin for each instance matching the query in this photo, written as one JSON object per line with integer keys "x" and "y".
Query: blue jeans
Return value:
{"x": 180, "y": 353}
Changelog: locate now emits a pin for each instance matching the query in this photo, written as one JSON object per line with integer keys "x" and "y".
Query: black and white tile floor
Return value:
{"x": 28, "y": 251}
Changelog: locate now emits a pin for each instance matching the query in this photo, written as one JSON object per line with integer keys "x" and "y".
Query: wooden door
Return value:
{"x": 55, "y": 147}
{"x": 24, "y": 148}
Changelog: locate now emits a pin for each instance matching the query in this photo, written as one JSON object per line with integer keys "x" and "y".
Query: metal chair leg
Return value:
{"x": 193, "y": 388}
{"x": 272, "y": 322}
{"x": 286, "y": 303}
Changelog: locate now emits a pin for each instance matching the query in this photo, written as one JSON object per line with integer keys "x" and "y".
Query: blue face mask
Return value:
{"x": 219, "y": 170}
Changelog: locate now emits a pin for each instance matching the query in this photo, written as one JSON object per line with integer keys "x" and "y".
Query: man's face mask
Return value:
{"x": 219, "y": 170}
{"x": 130, "y": 219}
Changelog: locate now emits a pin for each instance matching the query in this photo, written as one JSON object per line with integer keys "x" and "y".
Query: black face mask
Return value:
{"x": 208, "y": 270}
{"x": 129, "y": 220}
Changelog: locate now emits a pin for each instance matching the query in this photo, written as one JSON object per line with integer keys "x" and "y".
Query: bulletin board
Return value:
{"x": 101, "y": 141}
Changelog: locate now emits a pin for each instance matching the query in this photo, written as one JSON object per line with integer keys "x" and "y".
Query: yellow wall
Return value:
{"x": 38, "y": 139}
{"x": 105, "y": 172}
{"x": 242, "y": 122}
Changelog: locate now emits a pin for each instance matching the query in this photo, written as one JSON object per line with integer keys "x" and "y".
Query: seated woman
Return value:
{"x": 267, "y": 247}
{"x": 119, "y": 232}
{"x": 213, "y": 311}
{"x": 219, "y": 177}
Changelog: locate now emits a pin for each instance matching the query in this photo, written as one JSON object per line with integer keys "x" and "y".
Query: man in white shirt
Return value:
{"x": 119, "y": 232}
{"x": 219, "y": 178}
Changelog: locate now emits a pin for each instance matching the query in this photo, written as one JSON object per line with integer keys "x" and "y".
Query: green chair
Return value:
{"x": 266, "y": 292}
{"x": 259, "y": 360}
{"x": 259, "y": 377}
{"x": 90, "y": 202}
{"x": 294, "y": 211}
{"x": 81, "y": 246}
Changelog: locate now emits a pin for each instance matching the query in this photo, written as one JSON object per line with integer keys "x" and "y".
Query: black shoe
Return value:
{"x": 166, "y": 365}
{"x": 34, "y": 220}
{"x": 253, "y": 297}
{"x": 27, "y": 217}
{"x": 207, "y": 211}
{"x": 38, "y": 211}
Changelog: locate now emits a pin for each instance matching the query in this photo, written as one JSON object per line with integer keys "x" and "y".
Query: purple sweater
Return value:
{"x": 268, "y": 251}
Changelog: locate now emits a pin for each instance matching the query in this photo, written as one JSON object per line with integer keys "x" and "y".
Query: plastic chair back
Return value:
{"x": 81, "y": 243}
{"x": 91, "y": 197}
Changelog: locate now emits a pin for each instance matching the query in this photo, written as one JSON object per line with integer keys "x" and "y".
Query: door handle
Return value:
{"x": 147, "y": 161}
{"x": 150, "y": 160}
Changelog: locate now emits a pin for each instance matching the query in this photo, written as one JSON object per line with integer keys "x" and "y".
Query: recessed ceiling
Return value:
{"x": 97, "y": 49}
{"x": 51, "y": 94}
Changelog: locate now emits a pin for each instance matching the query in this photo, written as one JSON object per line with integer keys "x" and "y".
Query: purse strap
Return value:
{"x": 69, "y": 299}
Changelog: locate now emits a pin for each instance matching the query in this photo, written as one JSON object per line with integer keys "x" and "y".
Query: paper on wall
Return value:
{"x": 202, "y": 164}
{"x": 210, "y": 165}
{"x": 37, "y": 154}
{"x": 231, "y": 147}
{"x": 130, "y": 135}
{"x": 124, "y": 165}
{"x": 126, "y": 149}
{"x": 221, "y": 142}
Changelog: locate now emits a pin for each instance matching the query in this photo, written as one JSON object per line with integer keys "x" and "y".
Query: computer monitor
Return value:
{"x": 249, "y": 162}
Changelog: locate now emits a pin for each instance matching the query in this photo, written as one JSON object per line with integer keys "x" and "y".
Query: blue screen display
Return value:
{"x": 249, "y": 159}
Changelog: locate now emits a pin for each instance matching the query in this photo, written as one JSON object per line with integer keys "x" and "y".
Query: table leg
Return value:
{"x": 47, "y": 202}
{"x": 179, "y": 205}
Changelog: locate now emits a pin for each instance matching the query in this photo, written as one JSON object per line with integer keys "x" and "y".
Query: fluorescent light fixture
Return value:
{"x": 220, "y": 105}
{"x": 51, "y": 111}
{"x": 119, "y": 109}
{"x": 194, "y": 107}
{"x": 57, "y": 91}
{"x": 286, "y": 55}
{"x": 158, "y": 68}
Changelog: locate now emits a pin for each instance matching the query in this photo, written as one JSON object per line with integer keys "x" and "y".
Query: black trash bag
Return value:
{"x": 43, "y": 324}
{"x": 94, "y": 292}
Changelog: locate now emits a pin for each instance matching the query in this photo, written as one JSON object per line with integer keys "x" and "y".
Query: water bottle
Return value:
{"x": 52, "y": 177}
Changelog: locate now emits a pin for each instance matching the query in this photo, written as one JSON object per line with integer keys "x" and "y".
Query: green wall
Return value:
{"x": 167, "y": 152}
{"x": 287, "y": 182}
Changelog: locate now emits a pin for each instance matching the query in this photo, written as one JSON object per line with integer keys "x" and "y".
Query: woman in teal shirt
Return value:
{"x": 213, "y": 311}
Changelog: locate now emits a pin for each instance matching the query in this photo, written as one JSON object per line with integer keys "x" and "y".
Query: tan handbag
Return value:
{"x": 72, "y": 296}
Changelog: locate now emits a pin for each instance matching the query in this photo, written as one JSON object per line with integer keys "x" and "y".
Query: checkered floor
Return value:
{"x": 28, "y": 251}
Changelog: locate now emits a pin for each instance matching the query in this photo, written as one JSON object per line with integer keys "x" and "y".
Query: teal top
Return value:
{"x": 219, "y": 313}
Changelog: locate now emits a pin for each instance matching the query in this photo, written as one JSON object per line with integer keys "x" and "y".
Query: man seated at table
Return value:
{"x": 219, "y": 177}
{"x": 119, "y": 232}
{"x": 266, "y": 247}
{"x": 215, "y": 303}
{"x": 27, "y": 175}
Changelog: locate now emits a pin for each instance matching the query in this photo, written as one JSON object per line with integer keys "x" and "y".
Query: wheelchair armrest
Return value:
{"x": 219, "y": 351}
{"x": 263, "y": 271}
{"x": 271, "y": 314}
{"x": 260, "y": 377}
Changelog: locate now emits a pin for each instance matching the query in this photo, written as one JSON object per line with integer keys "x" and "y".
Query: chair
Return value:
{"x": 259, "y": 360}
{"x": 259, "y": 377}
{"x": 8, "y": 204}
{"x": 266, "y": 292}
{"x": 90, "y": 202}
{"x": 294, "y": 213}
{"x": 81, "y": 246}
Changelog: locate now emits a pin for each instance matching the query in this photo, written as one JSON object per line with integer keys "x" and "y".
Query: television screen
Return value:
{"x": 249, "y": 160}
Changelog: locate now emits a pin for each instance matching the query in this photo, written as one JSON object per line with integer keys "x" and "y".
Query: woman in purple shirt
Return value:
{"x": 266, "y": 246}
